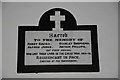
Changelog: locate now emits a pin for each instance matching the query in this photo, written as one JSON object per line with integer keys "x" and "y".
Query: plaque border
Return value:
{"x": 21, "y": 68}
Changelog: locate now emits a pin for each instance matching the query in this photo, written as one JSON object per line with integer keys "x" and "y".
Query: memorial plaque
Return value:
{"x": 57, "y": 44}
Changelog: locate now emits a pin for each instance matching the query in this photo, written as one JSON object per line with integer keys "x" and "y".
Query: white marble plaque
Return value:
{"x": 58, "y": 47}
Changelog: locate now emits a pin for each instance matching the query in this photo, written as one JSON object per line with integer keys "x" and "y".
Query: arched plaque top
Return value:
{"x": 64, "y": 19}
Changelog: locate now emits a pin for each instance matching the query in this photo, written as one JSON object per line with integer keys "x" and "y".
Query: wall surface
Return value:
{"x": 0, "y": 40}
{"x": 105, "y": 15}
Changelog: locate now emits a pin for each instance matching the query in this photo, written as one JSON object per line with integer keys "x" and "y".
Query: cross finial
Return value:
{"x": 57, "y": 18}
